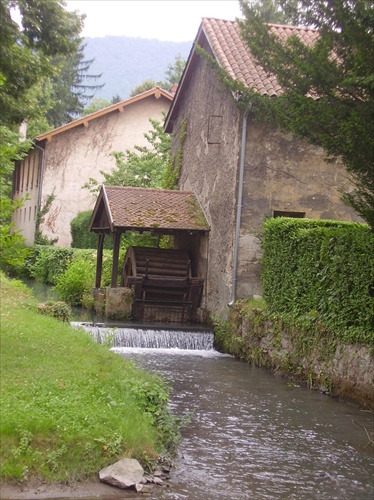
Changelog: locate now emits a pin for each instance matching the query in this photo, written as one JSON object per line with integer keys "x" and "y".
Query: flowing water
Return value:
{"x": 251, "y": 434}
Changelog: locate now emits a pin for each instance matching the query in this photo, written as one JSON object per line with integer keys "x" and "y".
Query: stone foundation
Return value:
{"x": 113, "y": 303}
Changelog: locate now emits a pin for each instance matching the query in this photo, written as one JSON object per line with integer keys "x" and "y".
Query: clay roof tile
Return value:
{"x": 234, "y": 56}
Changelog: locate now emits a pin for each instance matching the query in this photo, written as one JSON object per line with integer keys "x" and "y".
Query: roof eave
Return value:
{"x": 156, "y": 91}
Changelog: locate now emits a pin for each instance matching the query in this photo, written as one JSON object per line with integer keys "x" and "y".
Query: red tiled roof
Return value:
{"x": 147, "y": 209}
{"x": 234, "y": 56}
{"x": 232, "y": 53}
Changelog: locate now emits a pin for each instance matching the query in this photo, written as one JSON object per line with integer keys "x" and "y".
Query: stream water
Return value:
{"x": 251, "y": 434}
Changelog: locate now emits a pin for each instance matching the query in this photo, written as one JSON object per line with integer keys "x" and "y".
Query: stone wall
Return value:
{"x": 209, "y": 170}
{"x": 318, "y": 361}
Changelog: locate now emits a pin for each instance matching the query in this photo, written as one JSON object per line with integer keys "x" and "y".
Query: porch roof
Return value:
{"x": 120, "y": 209}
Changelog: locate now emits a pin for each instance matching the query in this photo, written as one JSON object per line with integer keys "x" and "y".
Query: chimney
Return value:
{"x": 174, "y": 88}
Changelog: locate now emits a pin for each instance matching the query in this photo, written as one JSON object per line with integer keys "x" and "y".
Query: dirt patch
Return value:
{"x": 38, "y": 490}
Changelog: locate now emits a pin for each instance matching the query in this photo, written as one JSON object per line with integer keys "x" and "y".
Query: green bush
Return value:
{"x": 77, "y": 280}
{"x": 47, "y": 263}
{"x": 321, "y": 271}
{"x": 81, "y": 236}
{"x": 58, "y": 310}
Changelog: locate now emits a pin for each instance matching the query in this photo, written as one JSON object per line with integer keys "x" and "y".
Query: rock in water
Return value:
{"x": 125, "y": 473}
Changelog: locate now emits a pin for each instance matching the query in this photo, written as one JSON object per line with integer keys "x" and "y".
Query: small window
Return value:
{"x": 295, "y": 215}
{"x": 215, "y": 130}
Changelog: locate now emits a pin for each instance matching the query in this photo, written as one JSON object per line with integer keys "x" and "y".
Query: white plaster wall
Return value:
{"x": 74, "y": 156}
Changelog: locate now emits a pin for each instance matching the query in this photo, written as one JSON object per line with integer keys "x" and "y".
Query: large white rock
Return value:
{"x": 123, "y": 474}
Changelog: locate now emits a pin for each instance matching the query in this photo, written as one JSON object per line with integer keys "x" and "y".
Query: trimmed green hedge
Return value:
{"x": 323, "y": 271}
{"x": 81, "y": 236}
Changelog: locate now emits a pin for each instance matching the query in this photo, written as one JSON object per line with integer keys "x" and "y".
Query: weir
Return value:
{"x": 149, "y": 338}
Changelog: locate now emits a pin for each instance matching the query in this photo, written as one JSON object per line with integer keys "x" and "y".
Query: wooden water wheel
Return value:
{"x": 164, "y": 289}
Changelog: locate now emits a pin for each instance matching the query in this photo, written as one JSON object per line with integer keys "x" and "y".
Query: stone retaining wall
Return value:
{"x": 344, "y": 370}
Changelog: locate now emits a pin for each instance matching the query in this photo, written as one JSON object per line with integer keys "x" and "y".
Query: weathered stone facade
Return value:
{"x": 282, "y": 175}
{"x": 320, "y": 362}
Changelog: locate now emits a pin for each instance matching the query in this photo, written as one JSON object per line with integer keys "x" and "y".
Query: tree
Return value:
{"x": 96, "y": 105}
{"x": 12, "y": 250}
{"x": 143, "y": 87}
{"x": 47, "y": 30}
{"x": 144, "y": 167}
{"x": 174, "y": 72}
{"x": 327, "y": 87}
{"x": 116, "y": 99}
{"x": 172, "y": 75}
{"x": 72, "y": 87}
{"x": 270, "y": 11}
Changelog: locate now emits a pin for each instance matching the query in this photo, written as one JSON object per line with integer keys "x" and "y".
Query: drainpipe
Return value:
{"x": 239, "y": 204}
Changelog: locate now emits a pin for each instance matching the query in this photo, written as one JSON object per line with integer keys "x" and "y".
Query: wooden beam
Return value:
{"x": 99, "y": 259}
{"x": 116, "y": 244}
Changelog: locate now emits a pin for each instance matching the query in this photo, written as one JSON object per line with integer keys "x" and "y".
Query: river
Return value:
{"x": 252, "y": 435}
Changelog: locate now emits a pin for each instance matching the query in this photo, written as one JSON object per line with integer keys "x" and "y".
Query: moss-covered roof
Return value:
{"x": 140, "y": 209}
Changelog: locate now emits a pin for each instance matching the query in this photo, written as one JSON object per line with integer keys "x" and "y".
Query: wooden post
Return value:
{"x": 99, "y": 259}
{"x": 116, "y": 242}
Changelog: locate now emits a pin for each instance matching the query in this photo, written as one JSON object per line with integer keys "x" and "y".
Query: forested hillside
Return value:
{"x": 126, "y": 62}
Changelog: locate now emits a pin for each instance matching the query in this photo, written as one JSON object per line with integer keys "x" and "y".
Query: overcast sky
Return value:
{"x": 167, "y": 20}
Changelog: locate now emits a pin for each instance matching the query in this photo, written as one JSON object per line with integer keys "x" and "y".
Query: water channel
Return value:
{"x": 251, "y": 435}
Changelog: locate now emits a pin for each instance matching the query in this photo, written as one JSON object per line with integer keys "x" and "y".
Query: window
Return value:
{"x": 283, "y": 213}
{"x": 215, "y": 129}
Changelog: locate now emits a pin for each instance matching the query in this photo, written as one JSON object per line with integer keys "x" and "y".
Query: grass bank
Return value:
{"x": 68, "y": 405}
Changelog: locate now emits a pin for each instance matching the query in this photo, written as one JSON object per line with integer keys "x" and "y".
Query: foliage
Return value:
{"x": 81, "y": 414}
{"x": 144, "y": 167}
{"x": 59, "y": 310}
{"x": 39, "y": 238}
{"x": 26, "y": 61}
{"x": 81, "y": 236}
{"x": 77, "y": 280}
{"x": 321, "y": 273}
{"x": 47, "y": 263}
{"x": 270, "y": 11}
{"x": 13, "y": 251}
{"x": 174, "y": 166}
{"x": 95, "y": 105}
{"x": 143, "y": 87}
{"x": 12, "y": 247}
{"x": 47, "y": 30}
{"x": 328, "y": 88}
{"x": 72, "y": 87}
{"x": 172, "y": 75}
{"x": 153, "y": 400}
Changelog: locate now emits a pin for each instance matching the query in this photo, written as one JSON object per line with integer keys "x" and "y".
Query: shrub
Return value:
{"x": 322, "y": 270}
{"x": 81, "y": 236}
{"x": 76, "y": 281}
{"x": 49, "y": 263}
{"x": 59, "y": 310}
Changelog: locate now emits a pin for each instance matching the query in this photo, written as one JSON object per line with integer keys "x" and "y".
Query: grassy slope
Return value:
{"x": 67, "y": 404}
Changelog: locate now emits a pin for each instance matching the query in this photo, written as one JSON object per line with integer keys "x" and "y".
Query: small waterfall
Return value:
{"x": 149, "y": 338}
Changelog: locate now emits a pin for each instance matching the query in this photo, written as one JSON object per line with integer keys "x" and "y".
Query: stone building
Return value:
{"x": 64, "y": 159}
{"x": 242, "y": 170}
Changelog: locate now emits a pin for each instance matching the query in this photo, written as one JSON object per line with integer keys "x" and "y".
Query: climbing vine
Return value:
{"x": 173, "y": 170}
{"x": 41, "y": 239}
